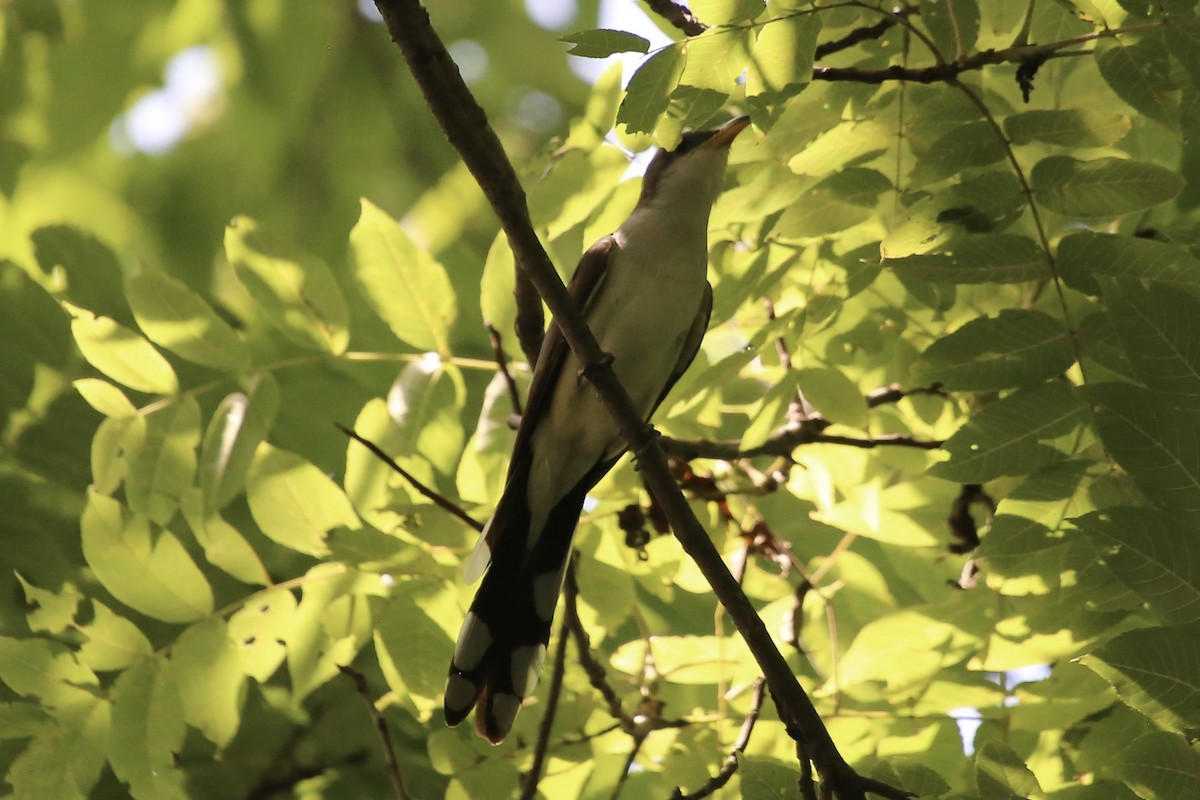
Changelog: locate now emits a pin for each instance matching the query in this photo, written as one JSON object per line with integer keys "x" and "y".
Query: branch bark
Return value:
{"x": 465, "y": 125}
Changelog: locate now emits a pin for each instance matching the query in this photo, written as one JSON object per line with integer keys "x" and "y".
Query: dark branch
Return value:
{"x": 678, "y": 15}
{"x": 789, "y": 437}
{"x": 438, "y": 499}
{"x": 514, "y": 396}
{"x": 385, "y": 738}
{"x": 583, "y": 645}
{"x": 716, "y": 782}
{"x": 542, "y": 747}
{"x": 860, "y": 35}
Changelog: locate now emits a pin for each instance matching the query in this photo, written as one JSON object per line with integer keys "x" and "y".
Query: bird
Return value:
{"x": 644, "y": 294}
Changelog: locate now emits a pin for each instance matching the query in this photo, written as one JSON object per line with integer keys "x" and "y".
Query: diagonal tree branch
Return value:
{"x": 466, "y": 127}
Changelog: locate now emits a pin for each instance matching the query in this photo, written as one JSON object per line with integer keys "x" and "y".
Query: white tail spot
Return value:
{"x": 527, "y": 668}
{"x": 504, "y": 711}
{"x": 474, "y": 639}
{"x": 477, "y": 563}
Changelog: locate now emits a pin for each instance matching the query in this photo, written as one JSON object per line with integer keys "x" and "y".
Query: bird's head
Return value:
{"x": 690, "y": 176}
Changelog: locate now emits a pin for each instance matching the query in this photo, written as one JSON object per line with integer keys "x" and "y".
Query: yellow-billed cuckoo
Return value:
{"x": 643, "y": 292}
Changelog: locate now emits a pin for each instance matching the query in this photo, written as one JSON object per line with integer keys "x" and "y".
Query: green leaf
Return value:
{"x": 426, "y": 402}
{"x": 1015, "y": 348}
{"x": 55, "y": 611}
{"x": 293, "y": 502}
{"x": 156, "y": 577}
{"x": 412, "y": 650}
{"x": 224, "y": 546}
{"x": 208, "y": 670}
{"x": 1016, "y": 435}
{"x": 602, "y": 43}
{"x": 297, "y": 293}
{"x": 767, "y": 779}
{"x": 105, "y": 398}
{"x": 163, "y": 467}
{"x": 33, "y": 329}
{"x": 1088, "y": 253}
{"x": 1159, "y": 328}
{"x": 1000, "y": 774}
{"x": 1159, "y": 446}
{"x": 1152, "y": 552}
{"x": 1067, "y": 127}
{"x": 122, "y": 355}
{"x": 649, "y": 90}
{"x": 715, "y": 59}
{"x": 1155, "y": 671}
{"x": 113, "y": 642}
{"x": 1105, "y": 187}
{"x": 115, "y": 442}
{"x": 781, "y": 58}
{"x": 242, "y": 420}
{"x": 43, "y": 669}
{"x": 1140, "y": 75}
{"x": 836, "y": 204}
{"x": 176, "y": 318}
{"x": 147, "y": 731}
{"x": 838, "y": 398}
{"x": 66, "y": 761}
{"x": 405, "y": 286}
{"x": 979, "y": 258}
{"x": 972, "y": 144}
{"x": 1159, "y": 766}
{"x": 849, "y": 143}
{"x": 725, "y": 12}
{"x": 259, "y": 628}
{"x": 318, "y": 642}
{"x": 92, "y": 271}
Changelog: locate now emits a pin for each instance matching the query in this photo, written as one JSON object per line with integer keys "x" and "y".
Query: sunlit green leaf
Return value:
{"x": 781, "y": 58}
{"x": 293, "y": 502}
{"x": 164, "y": 465}
{"x": 209, "y": 675}
{"x": 66, "y": 760}
{"x": 52, "y": 612}
{"x": 113, "y": 642}
{"x": 768, "y": 779}
{"x": 151, "y": 574}
{"x": 295, "y": 291}
{"x": 176, "y": 318}
{"x": 123, "y": 355}
{"x": 224, "y": 546}
{"x": 241, "y": 421}
{"x": 414, "y": 647}
{"x": 101, "y": 395}
{"x": 837, "y": 397}
{"x": 147, "y": 731}
{"x": 1001, "y": 774}
{"x": 259, "y": 628}
{"x": 402, "y": 282}
{"x": 1015, "y": 348}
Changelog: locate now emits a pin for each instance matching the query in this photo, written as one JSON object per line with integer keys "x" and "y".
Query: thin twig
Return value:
{"x": 787, "y": 439}
{"x": 860, "y": 35}
{"x": 716, "y": 782}
{"x": 514, "y": 396}
{"x": 542, "y": 747}
{"x": 583, "y": 646}
{"x": 424, "y": 490}
{"x": 385, "y": 738}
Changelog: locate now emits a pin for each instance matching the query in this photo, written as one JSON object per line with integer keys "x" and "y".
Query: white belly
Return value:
{"x": 641, "y": 314}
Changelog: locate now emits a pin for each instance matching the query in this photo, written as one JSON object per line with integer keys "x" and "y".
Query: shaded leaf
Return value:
{"x": 1086, "y": 253}
{"x": 649, "y": 90}
{"x": 1016, "y": 435}
{"x": 1153, "y": 553}
{"x": 296, "y": 292}
{"x": 1104, "y": 187}
{"x": 176, "y": 318}
{"x": 1001, "y": 774}
{"x": 1159, "y": 766}
{"x": 1068, "y": 127}
{"x": 1159, "y": 328}
{"x": 1140, "y": 75}
{"x": 1156, "y": 671}
{"x": 602, "y": 43}
{"x": 981, "y": 258}
{"x": 1015, "y": 348}
{"x": 1159, "y": 446}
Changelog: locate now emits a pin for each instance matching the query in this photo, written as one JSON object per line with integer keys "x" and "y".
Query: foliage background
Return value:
{"x": 192, "y": 549}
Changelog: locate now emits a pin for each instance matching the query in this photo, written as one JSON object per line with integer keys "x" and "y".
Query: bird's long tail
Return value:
{"x": 500, "y": 650}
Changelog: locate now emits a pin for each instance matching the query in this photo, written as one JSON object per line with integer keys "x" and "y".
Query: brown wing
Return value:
{"x": 593, "y": 266}
{"x": 691, "y": 345}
